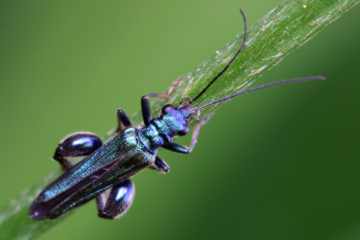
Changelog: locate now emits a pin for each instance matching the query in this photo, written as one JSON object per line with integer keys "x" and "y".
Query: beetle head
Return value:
{"x": 177, "y": 118}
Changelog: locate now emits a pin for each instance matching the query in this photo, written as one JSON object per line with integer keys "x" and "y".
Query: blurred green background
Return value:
{"x": 280, "y": 164}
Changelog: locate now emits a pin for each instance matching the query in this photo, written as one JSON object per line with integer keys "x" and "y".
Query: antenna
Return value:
{"x": 242, "y": 47}
{"x": 260, "y": 87}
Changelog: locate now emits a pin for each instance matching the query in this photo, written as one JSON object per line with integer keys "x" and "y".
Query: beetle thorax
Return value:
{"x": 151, "y": 137}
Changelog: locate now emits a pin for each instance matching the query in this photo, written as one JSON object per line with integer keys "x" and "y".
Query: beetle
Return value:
{"x": 106, "y": 168}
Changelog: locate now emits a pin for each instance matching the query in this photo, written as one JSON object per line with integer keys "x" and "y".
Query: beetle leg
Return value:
{"x": 111, "y": 203}
{"x": 160, "y": 165}
{"x": 78, "y": 144}
{"x": 145, "y": 107}
{"x": 64, "y": 163}
{"x": 115, "y": 202}
{"x": 123, "y": 120}
{"x": 173, "y": 86}
{"x": 195, "y": 135}
{"x": 175, "y": 147}
{"x": 145, "y": 100}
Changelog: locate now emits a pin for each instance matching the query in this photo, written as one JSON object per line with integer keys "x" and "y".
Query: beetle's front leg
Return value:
{"x": 145, "y": 100}
{"x": 115, "y": 202}
{"x": 123, "y": 120}
{"x": 195, "y": 135}
{"x": 79, "y": 144}
{"x": 145, "y": 106}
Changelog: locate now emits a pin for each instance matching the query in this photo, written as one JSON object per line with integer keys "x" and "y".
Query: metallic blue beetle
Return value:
{"x": 105, "y": 171}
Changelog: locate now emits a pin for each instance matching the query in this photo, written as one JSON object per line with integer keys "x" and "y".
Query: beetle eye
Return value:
{"x": 183, "y": 132}
{"x": 167, "y": 108}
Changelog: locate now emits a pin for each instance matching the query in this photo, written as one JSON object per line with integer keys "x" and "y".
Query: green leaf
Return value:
{"x": 284, "y": 29}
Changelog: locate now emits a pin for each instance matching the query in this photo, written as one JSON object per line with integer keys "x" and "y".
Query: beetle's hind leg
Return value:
{"x": 115, "y": 202}
{"x": 79, "y": 144}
